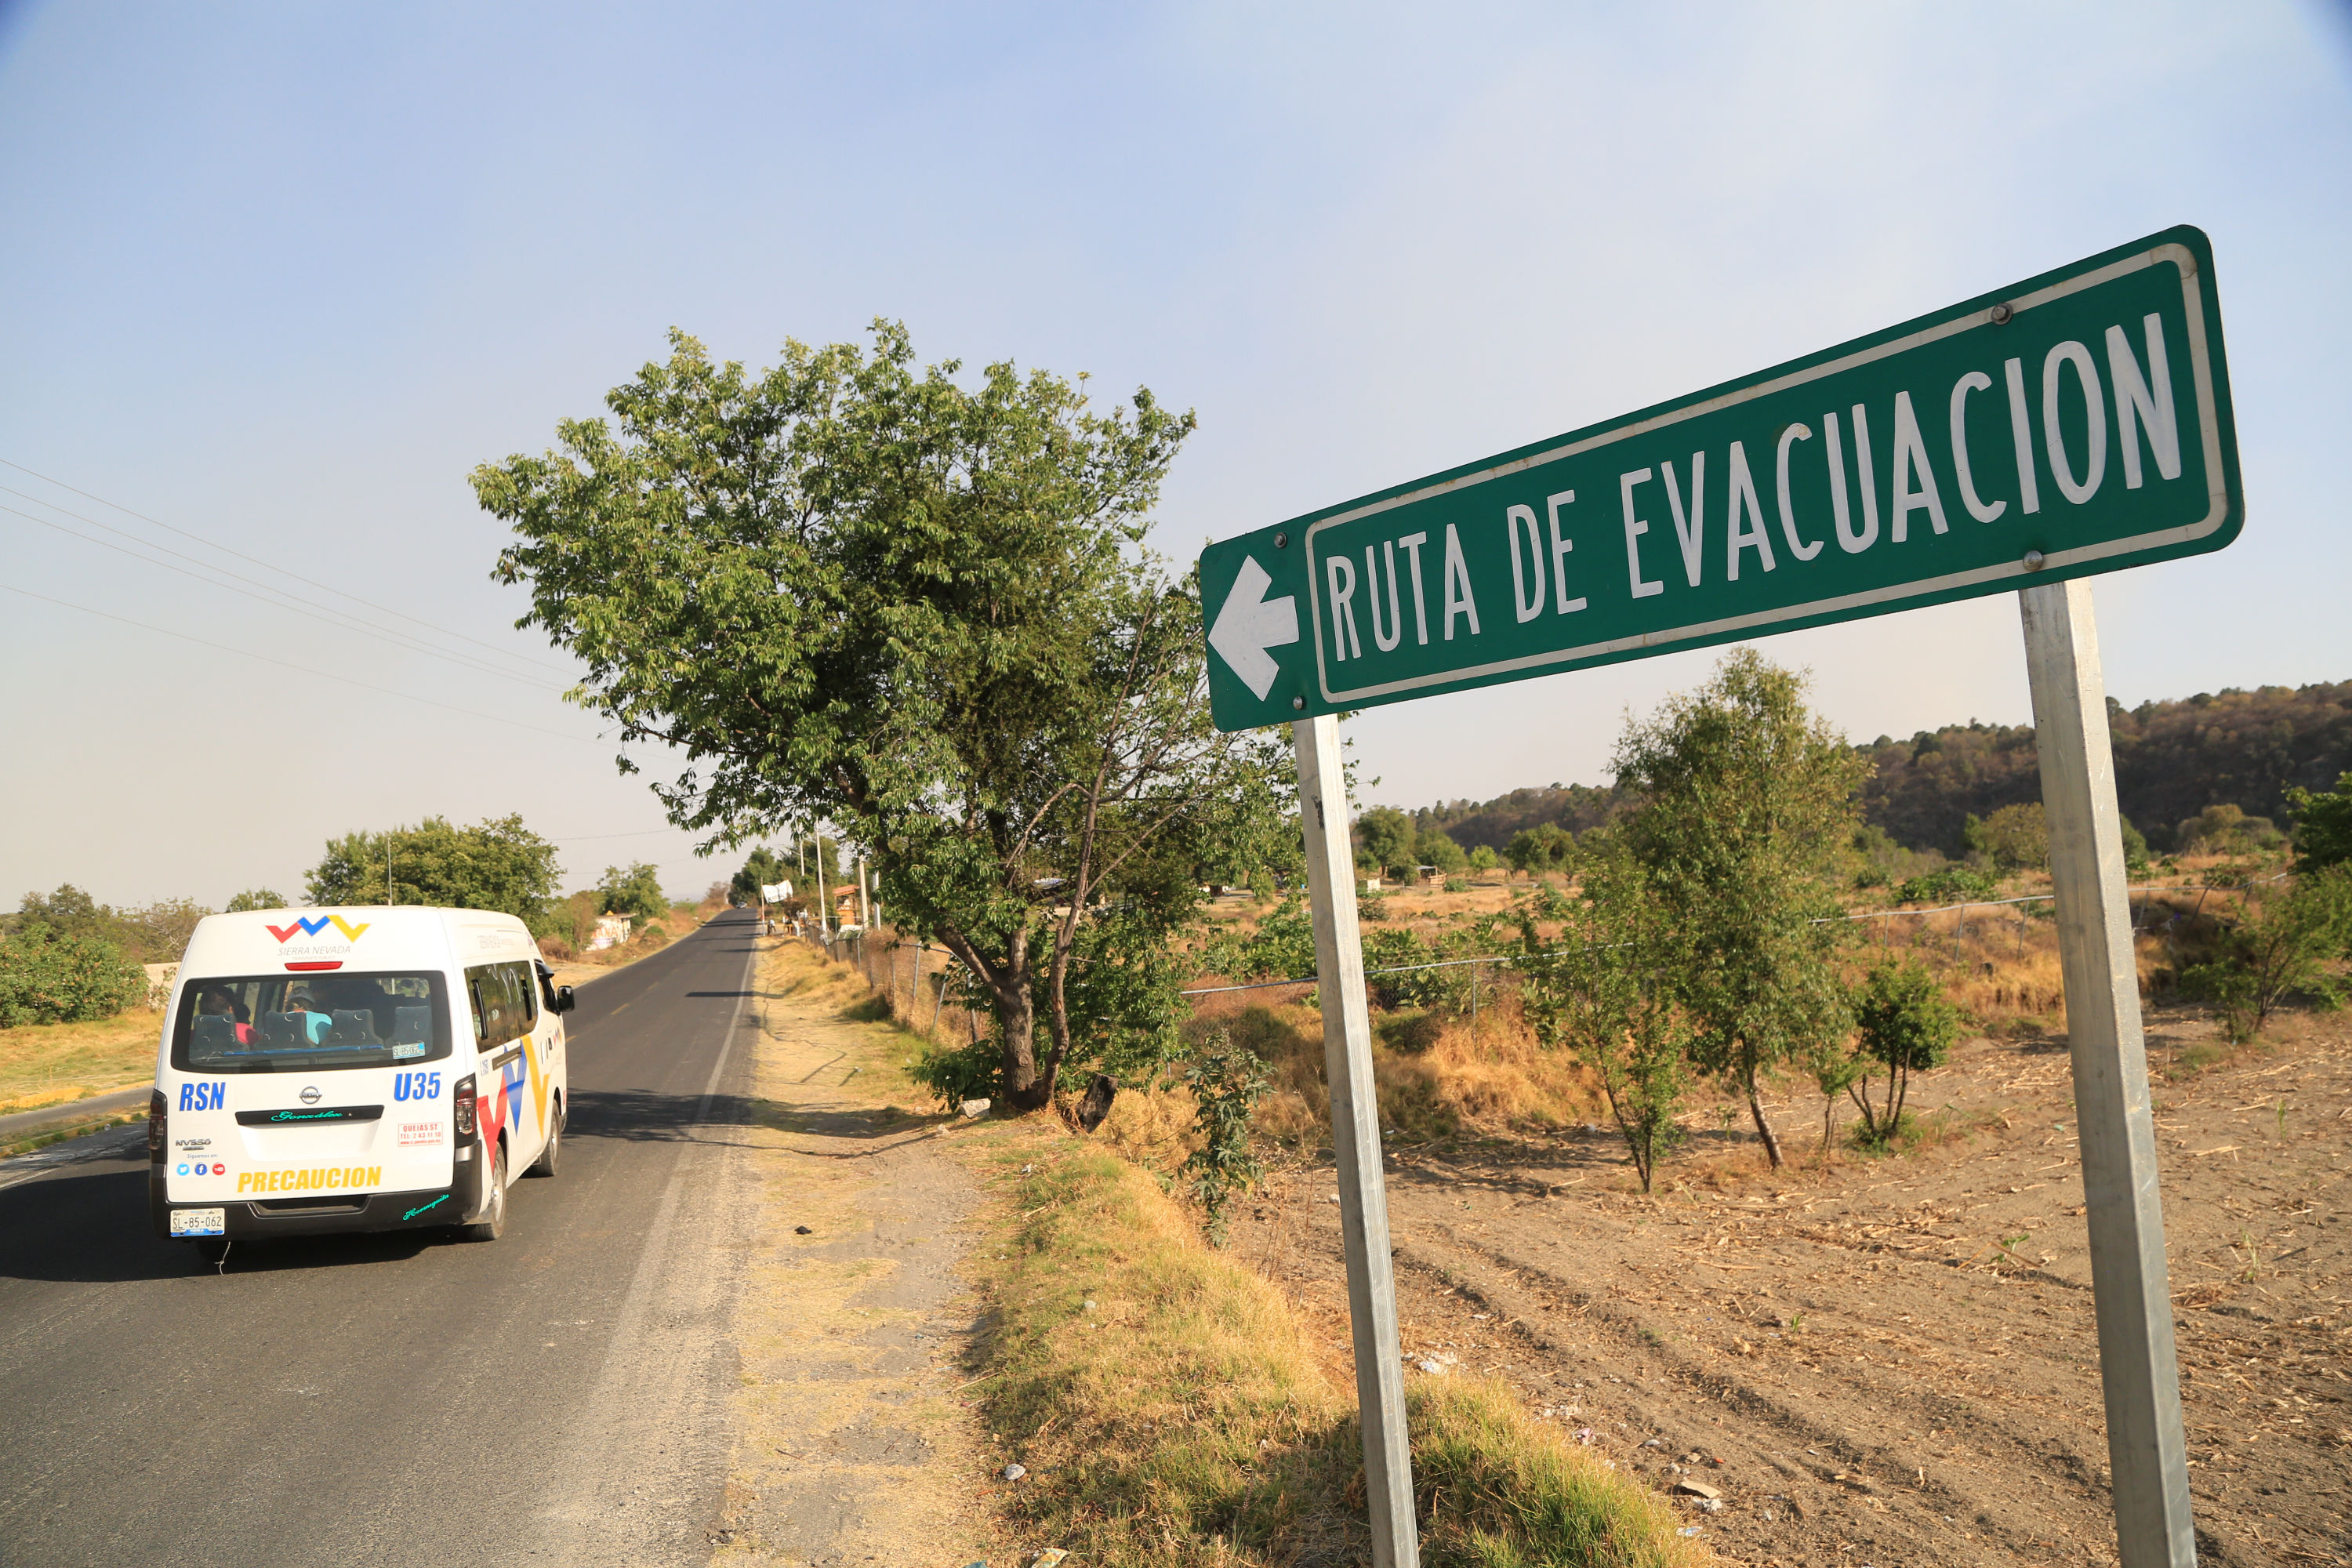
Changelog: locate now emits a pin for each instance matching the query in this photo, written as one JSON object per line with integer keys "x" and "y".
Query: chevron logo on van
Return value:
{"x": 313, "y": 927}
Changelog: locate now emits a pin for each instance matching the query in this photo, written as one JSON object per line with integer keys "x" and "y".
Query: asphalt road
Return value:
{"x": 558, "y": 1395}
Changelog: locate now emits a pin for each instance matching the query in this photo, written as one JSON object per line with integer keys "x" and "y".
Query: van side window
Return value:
{"x": 524, "y": 986}
{"x": 494, "y": 1008}
{"x": 505, "y": 1006}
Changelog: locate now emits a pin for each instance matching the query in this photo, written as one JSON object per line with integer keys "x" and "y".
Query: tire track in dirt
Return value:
{"x": 1896, "y": 1360}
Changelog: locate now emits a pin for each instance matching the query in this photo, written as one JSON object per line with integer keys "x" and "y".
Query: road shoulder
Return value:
{"x": 854, "y": 1315}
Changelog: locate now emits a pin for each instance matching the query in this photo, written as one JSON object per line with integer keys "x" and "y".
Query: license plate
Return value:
{"x": 199, "y": 1222}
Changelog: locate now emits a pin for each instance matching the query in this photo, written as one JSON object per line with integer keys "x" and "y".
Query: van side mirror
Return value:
{"x": 564, "y": 1000}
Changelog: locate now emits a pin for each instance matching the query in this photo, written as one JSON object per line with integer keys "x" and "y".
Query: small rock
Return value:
{"x": 1028, "y": 1170}
{"x": 1586, "y": 1435}
{"x": 1710, "y": 1505}
{"x": 1429, "y": 1366}
{"x": 803, "y": 1230}
{"x": 1015, "y": 1472}
{"x": 976, "y": 1108}
{"x": 1086, "y": 1305}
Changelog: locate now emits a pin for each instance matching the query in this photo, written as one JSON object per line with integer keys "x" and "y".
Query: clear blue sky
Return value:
{"x": 280, "y": 275}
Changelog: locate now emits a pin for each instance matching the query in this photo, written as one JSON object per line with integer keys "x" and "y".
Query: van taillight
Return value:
{"x": 158, "y": 1111}
{"x": 461, "y": 1098}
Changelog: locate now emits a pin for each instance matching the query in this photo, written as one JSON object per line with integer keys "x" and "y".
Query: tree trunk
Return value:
{"x": 1763, "y": 1128}
{"x": 1017, "y": 1026}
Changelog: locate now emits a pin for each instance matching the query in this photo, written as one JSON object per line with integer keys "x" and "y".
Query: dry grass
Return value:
{"x": 1171, "y": 1407}
{"x": 51, "y": 1064}
{"x": 1437, "y": 1074}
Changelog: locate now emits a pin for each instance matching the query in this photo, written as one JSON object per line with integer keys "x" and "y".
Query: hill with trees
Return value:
{"x": 2174, "y": 762}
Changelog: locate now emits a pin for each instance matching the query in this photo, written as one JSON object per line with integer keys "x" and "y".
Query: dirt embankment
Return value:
{"x": 1894, "y": 1361}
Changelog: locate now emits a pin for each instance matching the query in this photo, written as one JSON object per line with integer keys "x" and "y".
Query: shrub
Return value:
{"x": 1905, "y": 1026}
{"x": 2323, "y": 826}
{"x": 48, "y": 975}
{"x": 256, "y": 898}
{"x": 1227, "y": 1081}
{"x": 958, "y": 1073}
{"x": 2225, "y": 830}
{"x": 1952, "y": 885}
{"x": 2279, "y": 944}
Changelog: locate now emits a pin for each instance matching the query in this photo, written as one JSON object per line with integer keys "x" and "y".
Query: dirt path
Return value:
{"x": 1894, "y": 1362}
{"x": 851, "y": 1316}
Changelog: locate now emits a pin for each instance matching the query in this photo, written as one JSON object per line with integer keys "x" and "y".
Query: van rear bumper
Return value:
{"x": 260, "y": 1220}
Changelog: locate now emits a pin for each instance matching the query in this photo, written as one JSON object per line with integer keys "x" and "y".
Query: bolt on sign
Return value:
{"x": 2075, "y": 423}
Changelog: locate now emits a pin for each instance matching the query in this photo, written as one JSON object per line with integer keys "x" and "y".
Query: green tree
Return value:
{"x": 2016, "y": 837}
{"x": 1905, "y": 1024}
{"x": 1384, "y": 842}
{"x": 1546, "y": 848}
{"x": 497, "y": 864}
{"x": 636, "y": 892}
{"x": 254, "y": 898}
{"x": 854, "y": 591}
{"x": 50, "y": 974}
{"x": 2279, "y": 945}
{"x": 762, "y": 868}
{"x": 1601, "y": 988}
{"x": 2323, "y": 826}
{"x": 1747, "y": 807}
{"x": 1440, "y": 853}
{"x": 1484, "y": 859}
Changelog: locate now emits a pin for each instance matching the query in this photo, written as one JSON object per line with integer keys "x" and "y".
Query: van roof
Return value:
{"x": 360, "y": 937}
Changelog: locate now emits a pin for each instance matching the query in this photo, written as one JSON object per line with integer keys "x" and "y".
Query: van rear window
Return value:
{"x": 282, "y": 1023}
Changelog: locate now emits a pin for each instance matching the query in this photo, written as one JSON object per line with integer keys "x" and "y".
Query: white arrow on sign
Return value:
{"x": 1250, "y": 623}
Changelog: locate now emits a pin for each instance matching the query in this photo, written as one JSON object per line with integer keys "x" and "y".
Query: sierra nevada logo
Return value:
{"x": 313, "y": 927}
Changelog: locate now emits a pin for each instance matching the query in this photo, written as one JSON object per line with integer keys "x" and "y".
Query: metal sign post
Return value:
{"x": 2147, "y": 1451}
{"x": 1356, "y": 1142}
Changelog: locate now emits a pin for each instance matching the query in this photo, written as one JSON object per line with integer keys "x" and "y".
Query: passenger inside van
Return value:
{"x": 218, "y": 1003}
{"x": 305, "y": 1014}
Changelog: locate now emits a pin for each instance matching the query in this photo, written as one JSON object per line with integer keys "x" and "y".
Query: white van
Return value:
{"x": 353, "y": 1070}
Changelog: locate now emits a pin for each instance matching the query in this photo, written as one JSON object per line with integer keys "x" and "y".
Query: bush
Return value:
{"x": 958, "y": 1073}
{"x": 2323, "y": 826}
{"x": 1905, "y": 1026}
{"x": 555, "y": 949}
{"x": 1952, "y": 885}
{"x": 254, "y": 898}
{"x": 48, "y": 975}
{"x": 1227, "y": 1081}
{"x": 2226, "y": 830}
{"x": 2279, "y": 945}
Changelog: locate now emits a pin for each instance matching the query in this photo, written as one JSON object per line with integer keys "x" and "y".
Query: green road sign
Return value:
{"x": 2077, "y": 422}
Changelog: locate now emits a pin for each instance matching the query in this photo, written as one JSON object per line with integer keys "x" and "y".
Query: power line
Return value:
{"x": 288, "y": 664}
{"x": 269, "y": 566}
{"x": 348, "y": 622}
